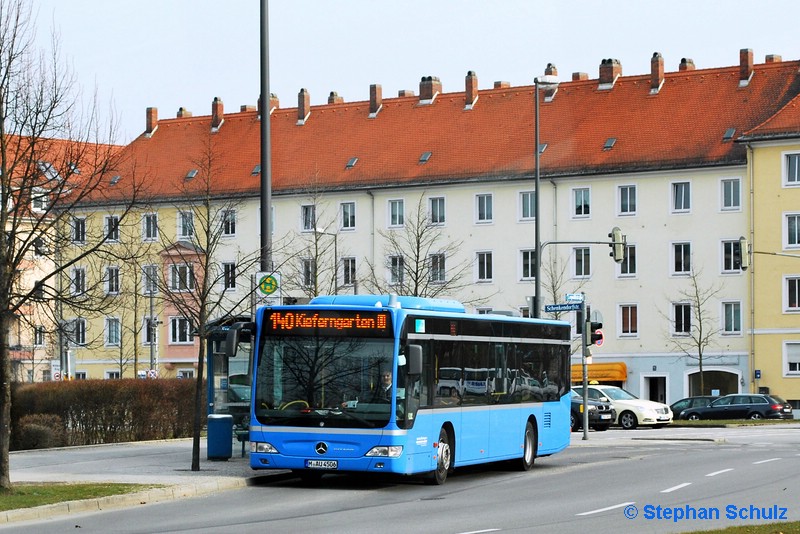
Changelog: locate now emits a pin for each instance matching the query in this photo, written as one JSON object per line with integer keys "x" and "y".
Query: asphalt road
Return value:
{"x": 617, "y": 481}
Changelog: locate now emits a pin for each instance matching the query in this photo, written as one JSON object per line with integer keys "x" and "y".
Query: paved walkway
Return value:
{"x": 163, "y": 463}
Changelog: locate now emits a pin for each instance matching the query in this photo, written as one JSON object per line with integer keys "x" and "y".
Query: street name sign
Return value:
{"x": 550, "y": 308}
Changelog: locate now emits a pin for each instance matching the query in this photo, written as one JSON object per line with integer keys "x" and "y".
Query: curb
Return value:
{"x": 153, "y": 495}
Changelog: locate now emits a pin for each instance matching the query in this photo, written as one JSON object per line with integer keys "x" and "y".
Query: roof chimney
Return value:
{"x": 405, "y": 92}
{"x": 246, "y": 107}
{"x": 773, "y": 58}
{"x": 550, "y": 92}
{"x": 429, "y": 87}
{"x": 745, "y": 66}
{"x": 471, "y": 89}
{"x": 686, "y": 64}
{"x": 610, "y": 70}
{"x": 217, "y": 113}
{"x": 502, "y": 85}
{"x": 151, "y": 121}
{"x": 273, "y": 103}
{"x": 334, "y": 98}
{"x": 578, "y": 76}
{"x": 303, "y": 106}
{"x": 375, "y": 99}
{"x": 183, "y": 112}
{"x": 656, "y": 73}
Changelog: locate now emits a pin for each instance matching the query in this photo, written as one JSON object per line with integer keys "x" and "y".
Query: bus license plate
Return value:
{"x": 322, "y": 464}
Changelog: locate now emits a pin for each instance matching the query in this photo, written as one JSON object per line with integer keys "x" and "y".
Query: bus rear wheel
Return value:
{"x": 528, "y": 448}
{"x": 444, "y": 460}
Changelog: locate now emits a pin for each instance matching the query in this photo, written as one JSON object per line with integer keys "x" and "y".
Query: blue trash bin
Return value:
{"x": 220, "y": 437}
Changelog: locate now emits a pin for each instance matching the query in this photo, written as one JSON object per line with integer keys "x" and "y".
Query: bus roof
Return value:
{"x": 392, "y": 301}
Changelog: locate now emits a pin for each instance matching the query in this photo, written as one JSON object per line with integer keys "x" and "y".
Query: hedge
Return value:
{"x": 87, "y": 412}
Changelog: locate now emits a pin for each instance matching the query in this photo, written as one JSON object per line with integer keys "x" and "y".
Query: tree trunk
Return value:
{"x": 198, "y": 405}
{"x": 5, "y": 409}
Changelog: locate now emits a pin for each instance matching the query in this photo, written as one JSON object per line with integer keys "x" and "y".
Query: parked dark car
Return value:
{"x": 682, "y": 405}
{"x": 743, "y": 406}
{"x": 601, "y": 414}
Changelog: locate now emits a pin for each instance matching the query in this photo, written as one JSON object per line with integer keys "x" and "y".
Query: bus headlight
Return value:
{"x": 391, "y": 451}
{"x": 259, "y": 446}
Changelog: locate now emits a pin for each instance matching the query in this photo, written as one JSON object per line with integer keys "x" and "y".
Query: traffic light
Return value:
{"x": 617, "y": 245}
{"x": 593, "y": 333}
{"x": 741, "y": 255}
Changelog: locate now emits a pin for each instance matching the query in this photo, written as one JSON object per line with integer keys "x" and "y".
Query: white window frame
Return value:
{"x": 229, "y": 275}
{"x": 149, "y": 279}
{"x": 185, "y": 225}
{"x": 39, "y": 336}
{"x": 675, "y": 332}
{"x": 736, "y": 206}
{"x": 181, "y": 277}
{"x": 673, "y": 196}
{"x": 112, "y": 375}
{"x": 787, "y": 235}
{"x": 674, "y": 257}
{"x": 785, "y": 289}
{"x": 586, "y": 256}
{"x": 228, "y": 221}
{"x": 620, "y": 201}
{"x": 791, "y": 356}
{"x": 785, "y": 167}
{"x": 349, "y": 270}
{"x": 78, "y": 227}
{"x": 628, "y": 261}
{"x": 438, "y": 268}
{"x": 347, "y": 216}
{"x": 397, "y": 269}
{"x": 308, "y": 271}
{"x": 725, "y": 268}
{"x": 111, "y": 228}
{"x": 77, "y": 282}
{"x": 180, "y": 331}
{"x": 484, "y": 208}
{"x": 437, "y": 210}
{"x": 112, "y": 280}
{"x": 527, "y": 202}
{"x": 78, "y": 337}
{"x": 40, "y": 200}
{"x": 484, "y": 266}
{"x": 620, "y": 318}
{"x": 112, "y": 331}
{"x": 308, "y": 217}
{"x": 586, "y": 205}
{"x": 149, "y": 227}
{"x": 395, "y": 213}
{"x": 736, "y": 329}
{"x": 147, "y": 332}
{"x": 527, "y": 262}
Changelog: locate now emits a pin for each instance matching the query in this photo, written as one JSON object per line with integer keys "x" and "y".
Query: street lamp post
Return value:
{"x": 335, "y": 258}
{"x": 547, "y": 82}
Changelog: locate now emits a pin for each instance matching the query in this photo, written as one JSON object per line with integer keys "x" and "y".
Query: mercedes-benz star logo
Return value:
{"x": 321, "y": 448}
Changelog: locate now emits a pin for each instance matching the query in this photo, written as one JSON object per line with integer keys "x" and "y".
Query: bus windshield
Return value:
{"x": 316, "y": 381}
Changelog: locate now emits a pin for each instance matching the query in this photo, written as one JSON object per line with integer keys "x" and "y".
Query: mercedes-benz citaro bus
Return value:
{"x": 354, "y": 383}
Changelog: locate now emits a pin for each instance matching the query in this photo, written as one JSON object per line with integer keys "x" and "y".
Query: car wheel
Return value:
{"x": 627, "y": 420}
{"x": 444, "y": 460}
{"x": 693, "y": 417}
{"x": 528, "y": 448}
{"x": 601, "y": 428}
{"x": 573, "y": 422}
{"x": 755, "y": 415}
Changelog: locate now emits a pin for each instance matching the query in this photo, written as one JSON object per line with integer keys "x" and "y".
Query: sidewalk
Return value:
{"x": 164, "y": 463}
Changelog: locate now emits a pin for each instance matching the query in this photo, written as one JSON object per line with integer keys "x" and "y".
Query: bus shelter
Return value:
{"x": 228, "y": 389}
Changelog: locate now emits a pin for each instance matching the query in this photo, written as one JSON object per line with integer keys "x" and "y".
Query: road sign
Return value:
{"x": 56, "y": 376}
{"x": 269, "y": 289}
{"x": 600, "y": 341}
{"x": 574, "y": 297}
{"x": 550, "y": 308}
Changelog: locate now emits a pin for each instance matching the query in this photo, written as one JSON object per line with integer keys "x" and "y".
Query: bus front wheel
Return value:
{"x": 444, "y": 460}
{"x": 528, "y": 448}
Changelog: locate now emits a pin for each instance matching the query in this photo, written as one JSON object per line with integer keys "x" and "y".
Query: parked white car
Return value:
{"x": 631, "y": 410}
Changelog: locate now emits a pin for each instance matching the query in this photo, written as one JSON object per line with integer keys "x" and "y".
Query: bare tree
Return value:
{"x": 43, "y": 180}
{"x": 703, "y": 327}
{"x": 199, "y": 266}
{"x": 420, "y": 261}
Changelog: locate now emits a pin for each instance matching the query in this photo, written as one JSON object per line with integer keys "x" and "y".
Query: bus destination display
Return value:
{"x": 329, "y": 322}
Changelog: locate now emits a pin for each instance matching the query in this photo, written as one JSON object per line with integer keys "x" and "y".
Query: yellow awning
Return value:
{"x": 602, "y": 372}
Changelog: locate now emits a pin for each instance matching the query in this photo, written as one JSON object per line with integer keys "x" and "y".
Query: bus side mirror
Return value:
{"x": 414, "y": 355}
{"x": 237, "y": 332}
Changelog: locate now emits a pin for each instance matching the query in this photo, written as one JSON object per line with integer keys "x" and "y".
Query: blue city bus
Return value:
{"x": 319, "y": 370}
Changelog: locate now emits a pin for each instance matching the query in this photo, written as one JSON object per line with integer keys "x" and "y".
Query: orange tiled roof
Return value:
{"x": 682, "y": 125}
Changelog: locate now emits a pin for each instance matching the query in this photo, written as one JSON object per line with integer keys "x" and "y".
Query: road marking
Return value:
{"x": 480, "y": 531}
{"x": 765, "y": 461}
{"x": 715, "y": 473}
{"x": 679, "y": 486}
{"x": 607, "y": 508}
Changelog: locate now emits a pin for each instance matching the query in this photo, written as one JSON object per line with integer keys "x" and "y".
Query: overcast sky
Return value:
{"x": 182, "y": 53}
